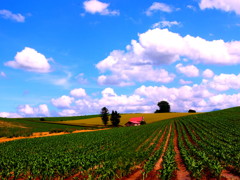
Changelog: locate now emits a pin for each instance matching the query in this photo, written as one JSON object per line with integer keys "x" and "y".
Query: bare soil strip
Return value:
{"x": 45, "y": 134}
{"x": 153, "y": 175}
{"x": 159, "y": 162}
{"x": 182, "y": 172}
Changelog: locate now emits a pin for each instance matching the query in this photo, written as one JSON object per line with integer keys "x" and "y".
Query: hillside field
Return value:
{"x": 12, "y": 127}
{"x": 148, "y": 117}
{"x": 201, "y": 146}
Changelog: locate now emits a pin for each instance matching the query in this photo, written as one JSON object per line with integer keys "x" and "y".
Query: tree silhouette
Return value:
{"x": 115, "y": 118}
{"x": 104, "y": 115}
{"x": 164, "y": 107}
{"x": 191, "y": 111}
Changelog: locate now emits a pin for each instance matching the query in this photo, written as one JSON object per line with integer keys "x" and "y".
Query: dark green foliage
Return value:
{"x": 143, "y": 122}
{"x": 104, "y": 115}
{"x": 191, "y": 111}
{"x": 115, "y": 118}
{"x": 60, "y": 130}
{"x": 42, "y": 119}
{"x": 164, "y": 107}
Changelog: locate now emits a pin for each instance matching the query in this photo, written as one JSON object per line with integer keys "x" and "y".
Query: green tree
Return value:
{"x": 163, "y": 107}
{"x": 191, "y": 111}
{"x": 104, "y": 115}
{"x": 115, "y": 118}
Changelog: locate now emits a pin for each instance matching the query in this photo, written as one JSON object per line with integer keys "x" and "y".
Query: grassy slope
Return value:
{"x": 149, "y": 118}
{"x": 26, "y": 126}
{"x": 58, "y": 118}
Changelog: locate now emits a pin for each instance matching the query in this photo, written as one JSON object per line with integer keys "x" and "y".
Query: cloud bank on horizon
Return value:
{"x": 172, "y": 58}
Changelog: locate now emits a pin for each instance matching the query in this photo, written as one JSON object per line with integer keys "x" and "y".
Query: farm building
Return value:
{"x": 135, "y": 121}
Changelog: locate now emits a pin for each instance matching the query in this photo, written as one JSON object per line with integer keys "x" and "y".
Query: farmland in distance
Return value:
{"x": 148, "y": 117}
{"x": 201, "y": 146}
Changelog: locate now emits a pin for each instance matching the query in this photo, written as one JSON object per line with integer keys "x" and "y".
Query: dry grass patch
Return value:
{"x": 4, "y": 124}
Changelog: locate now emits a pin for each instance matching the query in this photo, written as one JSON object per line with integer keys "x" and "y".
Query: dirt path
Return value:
{"x": 46, "y": 134}
{"x": 182, "y": 172}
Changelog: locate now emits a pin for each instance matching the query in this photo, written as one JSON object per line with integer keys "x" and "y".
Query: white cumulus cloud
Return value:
{"x": 225, "y": 5}
{"x": 224, "y": 82}
{"x": 69, "y": 112}
{"x": 6, "y": 14}
{"x": 208, "y": 73}
{"x": 189, "y": 71}
{"x": 157, "y": 6}
{"x": 80, "y": 92}
{"x": 63, "y": 101}
{"x": 30, "y": 60}
{"x": 27, "y": 110}
{"x": 9, "y": 115}
{"x": 95, "y": 6}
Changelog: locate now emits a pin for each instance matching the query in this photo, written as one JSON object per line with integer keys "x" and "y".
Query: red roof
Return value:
{"x": 136, "y": 119}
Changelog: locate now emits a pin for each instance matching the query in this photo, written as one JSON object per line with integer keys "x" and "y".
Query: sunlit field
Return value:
{"x": 148, "y": 117}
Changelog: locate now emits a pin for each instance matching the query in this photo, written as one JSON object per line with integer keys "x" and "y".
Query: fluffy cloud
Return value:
{"x": 6, "y": 14}
{"x": 95, "y": 6}
{"x": 2, "y": 74}
{"x": 80, "y": 92}
{"x": 30, "y": 60}
{"x": 127, "y": 67}
{"x": 163, "y": 24}
{"x": 69, "y": 112}
{"x": 63, "y": 101}
{"x": 142, "y": 59}
{"x": 180, "y": 99}
{"x": 225, "y": 5}
{"x": 157, "y": 6}
{"x": 182, "y": 81}
{"x": 27, "y": 110}
{"x": 9, "y": 115}
{"x": 223, "y": 101}
{"x": 224, "y": 82}
{"x": 189, "y": 71}
{"x": 208, "y": 73}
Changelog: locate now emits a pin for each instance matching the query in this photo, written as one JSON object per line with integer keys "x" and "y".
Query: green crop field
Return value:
{"x": 204, "y": 146}
{"x": 149, "y": 118}
{"x": 10, "y": 127}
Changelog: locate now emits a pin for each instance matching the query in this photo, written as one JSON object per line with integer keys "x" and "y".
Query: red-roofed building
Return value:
{"x": 135, "y": 121}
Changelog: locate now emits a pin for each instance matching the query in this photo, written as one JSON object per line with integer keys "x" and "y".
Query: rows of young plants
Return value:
{"x": 210, "y": 142}
{"x": 169, "y": 164}
{"x": 103, "y": 155}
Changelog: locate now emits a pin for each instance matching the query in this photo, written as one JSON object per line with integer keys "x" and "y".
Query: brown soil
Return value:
{"x": 182, "y": 172}
{"x": 137, "y": 173}
{"x": 45, "y": 134}
{"x": 153, "y": 175}
{"x": 159, "y": 162}
{"x": 228, "y": 176}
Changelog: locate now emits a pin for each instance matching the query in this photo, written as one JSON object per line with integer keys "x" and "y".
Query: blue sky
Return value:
{"x": 74, "y": 57}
